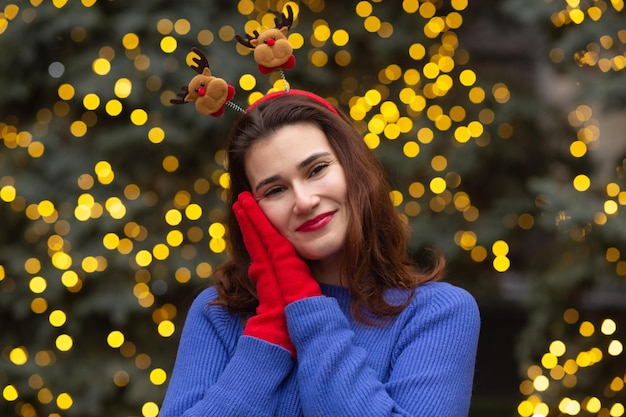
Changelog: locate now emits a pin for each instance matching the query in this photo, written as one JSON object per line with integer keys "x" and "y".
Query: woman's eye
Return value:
{"x": 317, "y": 169}
{"x": 273, "y": 191}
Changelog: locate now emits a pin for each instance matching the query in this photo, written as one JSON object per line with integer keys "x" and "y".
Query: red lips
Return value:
{"x": 316, "y": 223}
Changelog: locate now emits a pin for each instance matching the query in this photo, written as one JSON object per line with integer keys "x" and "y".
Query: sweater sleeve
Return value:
{"x": 432, "y": 359}
{"x": 218, "y": 372}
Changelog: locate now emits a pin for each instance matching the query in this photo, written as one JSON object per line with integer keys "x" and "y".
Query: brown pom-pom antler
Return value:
{"x": 281, "y": 20}
{"x": 246, "y": 42}
{"x": 201, "y": 61}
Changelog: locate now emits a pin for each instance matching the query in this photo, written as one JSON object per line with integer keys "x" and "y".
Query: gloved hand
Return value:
{"x": 292, "y": 273}
{"x": 270, "y": 323}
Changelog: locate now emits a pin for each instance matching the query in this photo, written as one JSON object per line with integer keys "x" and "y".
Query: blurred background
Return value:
{"x": 501, "y": 123}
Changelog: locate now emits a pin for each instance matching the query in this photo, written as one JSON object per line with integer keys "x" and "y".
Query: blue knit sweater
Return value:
{"x": 421, "y": 364}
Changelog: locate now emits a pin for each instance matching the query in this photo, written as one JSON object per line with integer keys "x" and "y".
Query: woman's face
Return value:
{"x": 301, "y": 187}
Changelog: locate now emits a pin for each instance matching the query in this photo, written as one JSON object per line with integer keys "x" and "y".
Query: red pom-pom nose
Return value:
{"x": 271, "y": 41}
{"x": 201, "y": 91}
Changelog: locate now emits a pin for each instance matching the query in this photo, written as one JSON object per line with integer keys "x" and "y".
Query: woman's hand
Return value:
{"x": 270, "y": 323}
{"x": 292, "y": 273}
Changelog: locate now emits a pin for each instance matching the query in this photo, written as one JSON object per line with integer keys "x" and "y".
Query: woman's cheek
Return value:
{"x": 273, "y": 213}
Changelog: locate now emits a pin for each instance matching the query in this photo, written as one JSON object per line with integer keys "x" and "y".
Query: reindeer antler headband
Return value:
{"x": 272, "y": 51}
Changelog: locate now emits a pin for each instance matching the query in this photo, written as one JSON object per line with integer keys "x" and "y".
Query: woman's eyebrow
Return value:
{"x": 303, "y": 164}
{"x": 266, "y": 181}
{"x": 312, "y": 158}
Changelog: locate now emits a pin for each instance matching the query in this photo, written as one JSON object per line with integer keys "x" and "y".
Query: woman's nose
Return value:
{"x": 305, "y": 200}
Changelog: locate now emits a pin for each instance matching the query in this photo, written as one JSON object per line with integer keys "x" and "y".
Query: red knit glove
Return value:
{"x": 294, "y": 277}
{"x": 270, "y": 323}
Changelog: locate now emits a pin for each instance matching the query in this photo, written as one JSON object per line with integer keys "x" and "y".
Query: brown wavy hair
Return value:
{"x": 376, "y": 253}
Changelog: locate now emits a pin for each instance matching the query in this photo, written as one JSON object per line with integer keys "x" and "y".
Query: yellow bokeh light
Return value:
{"x": 500, "y": 248}
{"x": 9, "y": 393}
{"x": 578, "y": 149}
{"x": 549, "y": 361}
{"x": 160, "y": 252}
{"x": 557, "y": 348}
{"x": 478, "y": 254}
{"x": 158, "y": 376}
{"x": 608, "y": 327}
{"x": 39, "y": 305}
{"x": 175, "y": 238}
{"x": 115, "y": 339}
{"x": 45, "y": 208}
{"x": 217, "y": 230}
{"x": 476, "y": 95}
{"x": 156, "y": 135}
{"x": 411, "y": 149}
{"x": 364, "y": 8}
{"x": 69, "y": 279}
{"x": 593, "y": 405}
{"x": 168, "y": 44}
{"x": 617, "y": 410}
{"x": 18, "y": 355}
{"x": 569, "y": 406}
{"x": 139, "y": 117}
{"x": 321, "y": 32}
{"x": 525, "y": 408}
{"x": 173, "y": 217}
{"x": 615, "y": 348}
{"x": 91, "y": 101}
{"x": 438, "y": 185}
{"x": 617, "y": 384}
{"x": 113, "y": 107}
{"x": 581, "y": 183}
{"x": 217, "y": 245}
{"x": 372, "y": 24}
{"x": 130, "y": 41}
{"x": 541, "y": 383}
{"x": 170, "y": 163}
{"x": 101, "y": 66}
{"x": 143, "y": 258}
{"x": 586, "y": 329}
{"x": 193, "y": 211}
{"x": 64, "y": 401}
{"x": 319, "y": 58}
{"x": 460, "y": 4}
{"x": 66, "y": 92}
{"x": 468, "y": 240}
{"x": 501, "y": 263}
{"x": 8, "y": 193}
{"x": 341, "y": 37}
{"x": 150, "y": 409}
{"x": 439, "y": 163}
{"x": 64, "y": 342}
{"x": 610, "y": 207}
{"x": 396, "y": 197}
{"x": 247, "y": 82}
{"x": 57, "y": 318}
{"x": 123, "y": 88}
{"x": 78, "y": 128}
{"x": 37, "y": 285}
{"x": 612, "y": 189}
{"x": 182, "y": 26}
{"x": 166, "y": 328}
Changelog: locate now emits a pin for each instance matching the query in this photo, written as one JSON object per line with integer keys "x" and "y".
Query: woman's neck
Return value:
{"x": 327, "y": 271}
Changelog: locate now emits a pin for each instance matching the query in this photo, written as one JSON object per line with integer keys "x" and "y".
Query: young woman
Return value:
{"x": 319, "y": 311}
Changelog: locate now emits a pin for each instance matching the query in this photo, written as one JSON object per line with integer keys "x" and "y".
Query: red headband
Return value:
{"x": 305, "y": 93}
